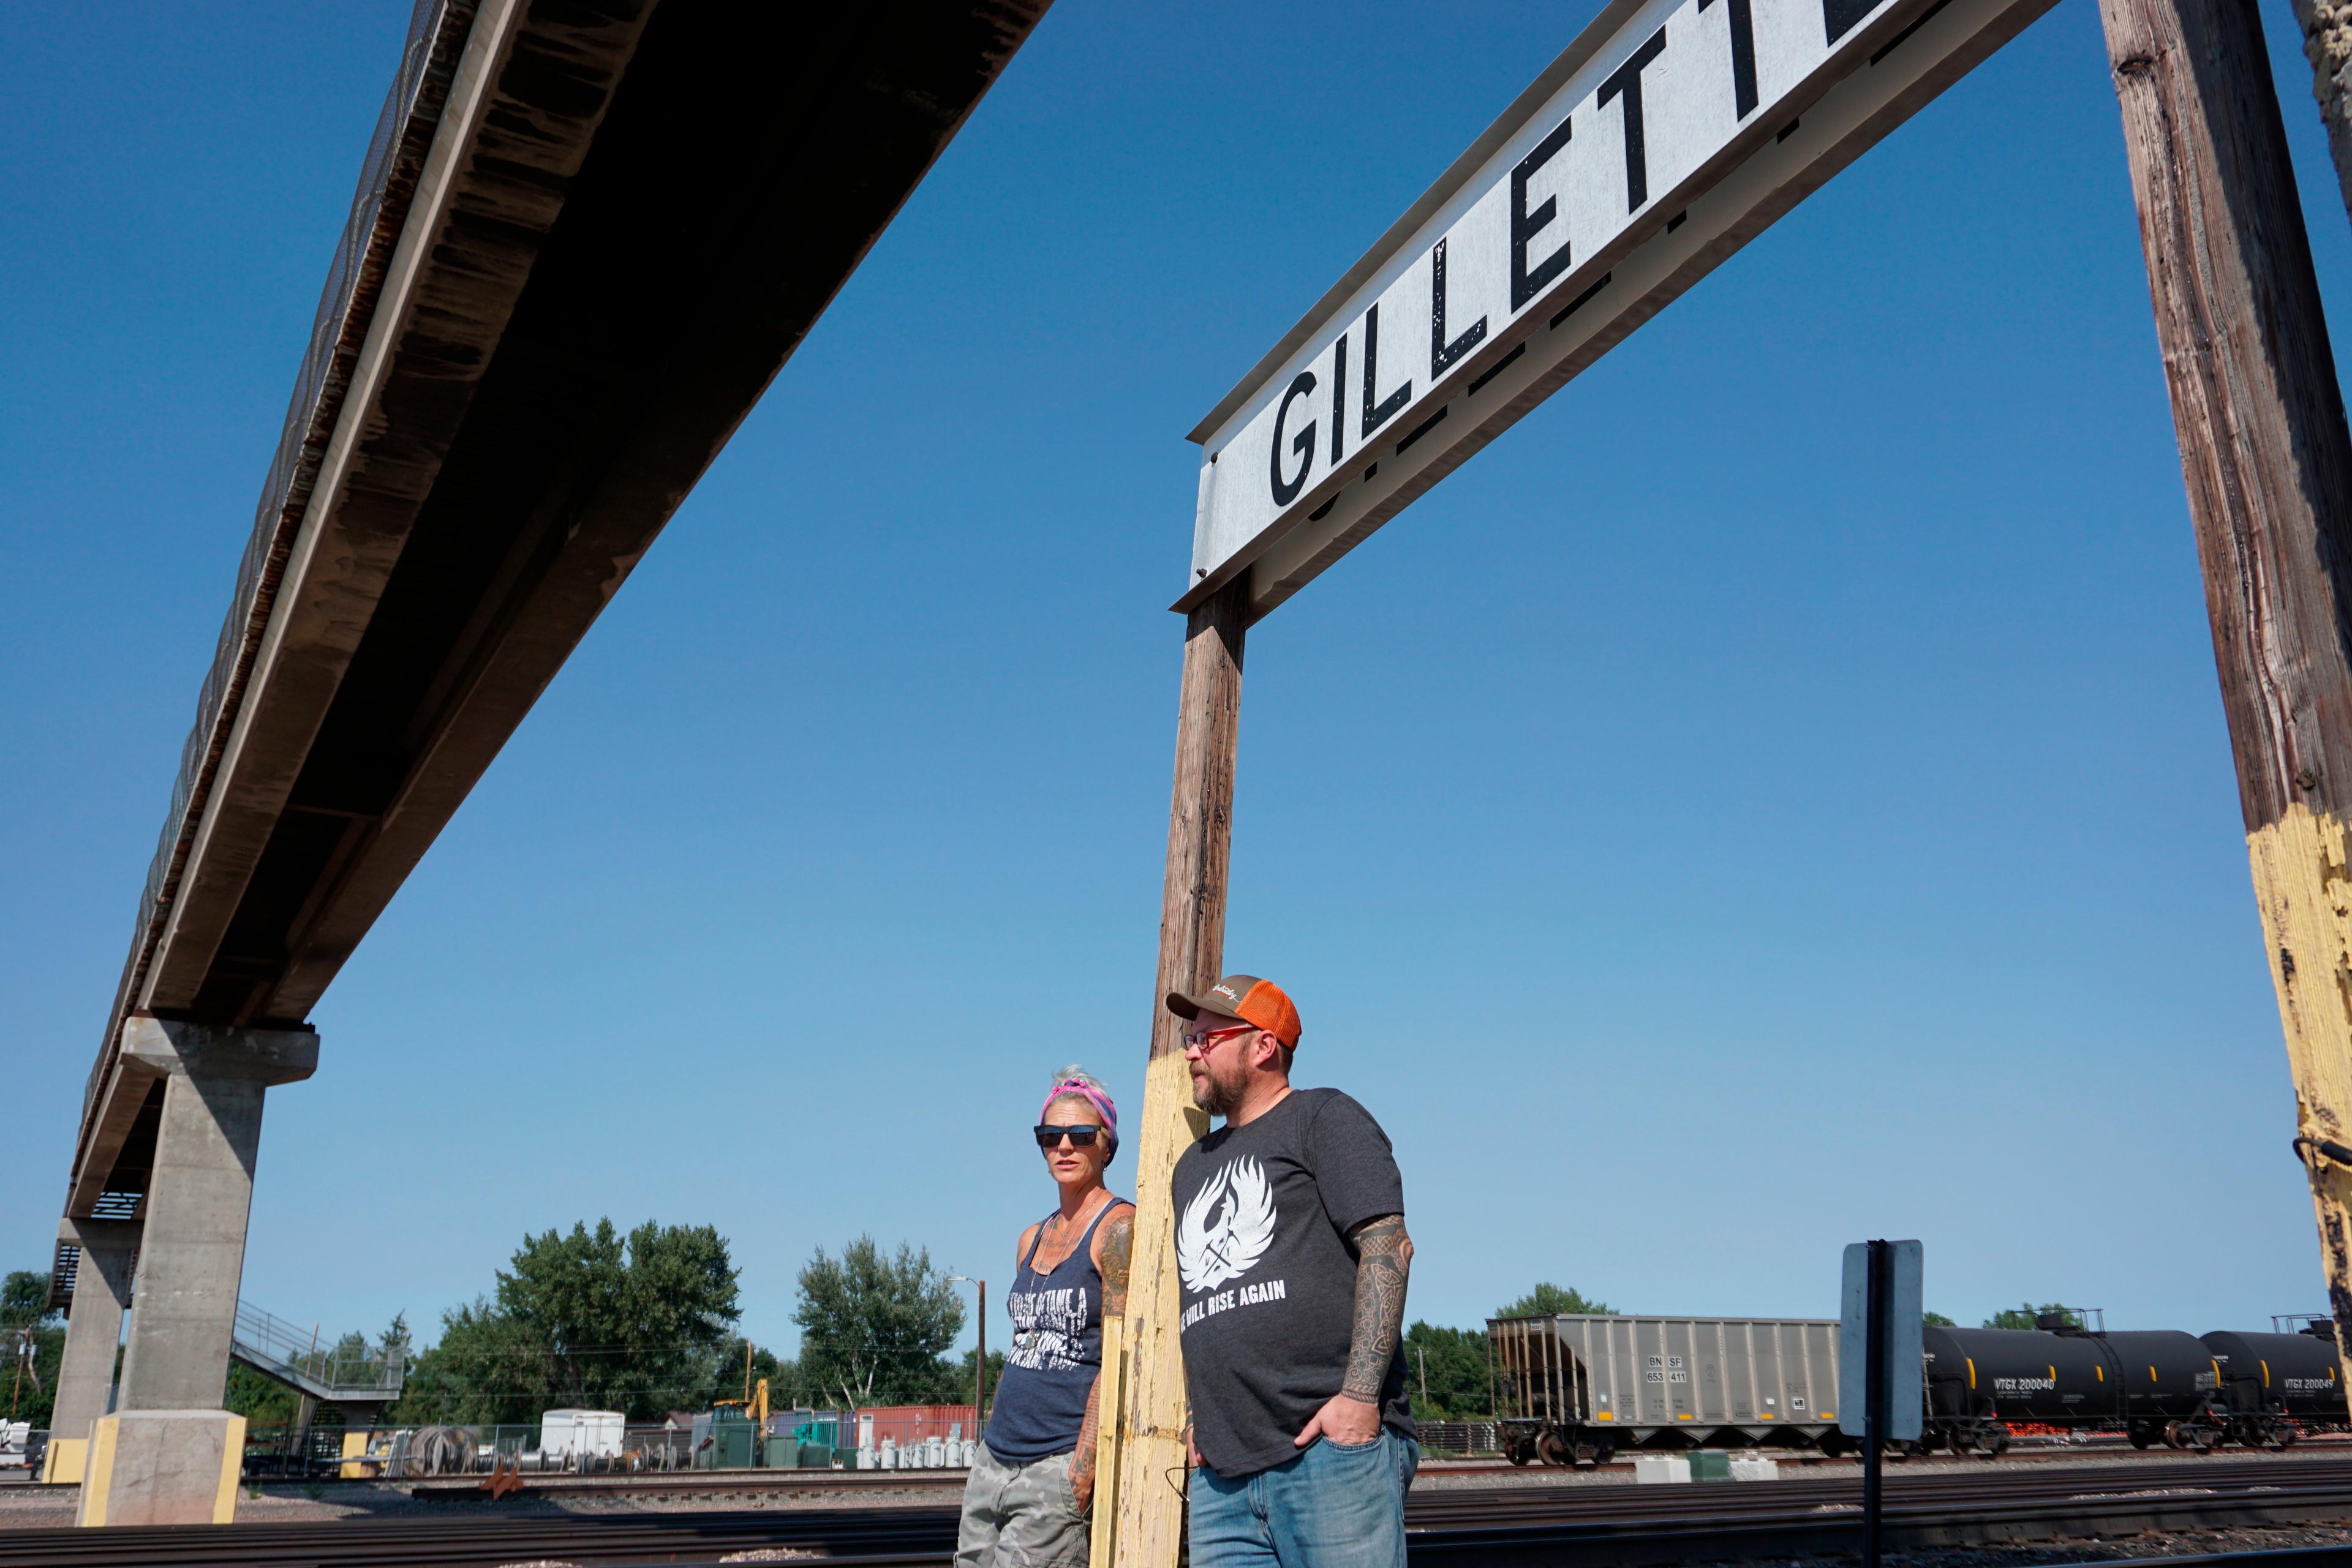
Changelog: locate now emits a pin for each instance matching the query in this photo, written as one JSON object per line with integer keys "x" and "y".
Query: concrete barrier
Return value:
{"x": 163, "y": 1467}
{"x": 63, "y": 1466}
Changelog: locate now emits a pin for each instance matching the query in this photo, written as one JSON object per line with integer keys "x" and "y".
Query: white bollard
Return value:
{"x": 1658, "y": 1470}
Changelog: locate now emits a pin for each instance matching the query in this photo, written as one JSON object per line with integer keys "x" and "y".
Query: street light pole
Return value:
{"x": 979, "y": 1359}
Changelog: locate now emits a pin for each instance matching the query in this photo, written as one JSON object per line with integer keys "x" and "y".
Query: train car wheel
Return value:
{"x": 2139, "y": 1435}
{"x": 2172, "y": 1434}
{"x": 1833, "y": 1443}
{"x": 1520, "y": 1451}
{"x": 1551, "y": 1449}
{"x": 1995, "y": 1442}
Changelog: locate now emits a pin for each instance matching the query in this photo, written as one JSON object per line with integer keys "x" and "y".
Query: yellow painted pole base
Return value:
{"x": 2305, "y": 891}
{"x": 1148, "y": 1485}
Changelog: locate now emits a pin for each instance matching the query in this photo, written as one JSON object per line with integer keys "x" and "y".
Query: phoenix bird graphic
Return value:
{"x": 1210, "y": 1252}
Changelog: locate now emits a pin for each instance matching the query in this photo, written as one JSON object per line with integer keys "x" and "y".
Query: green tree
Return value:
{"x": 488, "y": 1367}
{"x": 262, "y": 1401}
{"x": 592, "y": 1319}
{"x": 785, "y": 1386}
{"x": 1445, "y": 1372}
{"x": 961, "y": 1378}
{"x": 874, "y": 1329}
{"x": 1938, "y": 1321}
{"x": 1547, "y": 1299}
{"x": 33, "y": 1338}
{"x": 2020, "y": 1316}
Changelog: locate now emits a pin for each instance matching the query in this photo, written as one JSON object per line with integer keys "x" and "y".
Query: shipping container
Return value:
{"x": 908, "y": 1425}
{"x": 1576, "y": 1387}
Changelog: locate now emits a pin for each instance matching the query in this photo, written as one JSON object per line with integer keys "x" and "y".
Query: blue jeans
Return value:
{"x": 1335, "y": 1506}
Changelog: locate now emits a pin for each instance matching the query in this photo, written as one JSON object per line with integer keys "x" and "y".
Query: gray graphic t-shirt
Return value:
{"x": 1267, "y": 1277}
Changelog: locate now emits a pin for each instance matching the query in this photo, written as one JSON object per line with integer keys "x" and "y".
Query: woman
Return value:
{"x": 1033, "y": 1478}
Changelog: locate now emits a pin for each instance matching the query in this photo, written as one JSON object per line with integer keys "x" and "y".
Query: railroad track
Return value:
{"x": 1492, "y": 1527}
{"x": 750, "y": 1483}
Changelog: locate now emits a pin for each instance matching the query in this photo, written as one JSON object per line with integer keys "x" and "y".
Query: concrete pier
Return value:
{"x": 191, "y": 1254}
{"x": 94, "y": 1327}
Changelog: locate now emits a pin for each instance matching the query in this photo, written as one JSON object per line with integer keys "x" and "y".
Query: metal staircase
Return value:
{"x": 332, "y": 1375}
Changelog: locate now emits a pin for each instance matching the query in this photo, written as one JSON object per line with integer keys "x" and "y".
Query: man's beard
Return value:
{"x": 1217, "y": 1096}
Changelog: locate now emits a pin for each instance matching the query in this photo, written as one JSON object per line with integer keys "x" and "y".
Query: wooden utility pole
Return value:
{"x": 2328, "y": 45}
{"x": 1147, "y": 1502}
{"x": 2269, "y": 470}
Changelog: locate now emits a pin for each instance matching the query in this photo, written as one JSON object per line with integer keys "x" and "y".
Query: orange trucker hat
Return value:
{"x": 1248, "y": 998}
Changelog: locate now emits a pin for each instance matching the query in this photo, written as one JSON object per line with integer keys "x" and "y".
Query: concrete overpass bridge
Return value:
{"x": 587, "y": 235}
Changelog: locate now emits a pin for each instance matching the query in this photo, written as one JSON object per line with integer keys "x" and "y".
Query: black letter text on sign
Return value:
{"x": 1743, "y": 54}
{"x": 1286, "y": 491}
{"x": 1528, "y": 261}
{"x": 1627, "y": 84}
{"x": 1379, "y": 414}
{"x": 1441, "y": 354}
{"x": 1525, "y": 224}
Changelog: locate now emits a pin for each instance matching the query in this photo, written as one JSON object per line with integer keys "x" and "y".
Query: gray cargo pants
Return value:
{"x": 1021, "y": 1516}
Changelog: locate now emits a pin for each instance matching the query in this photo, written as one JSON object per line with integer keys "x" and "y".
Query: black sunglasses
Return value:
{"x": 1083, "y": 1137}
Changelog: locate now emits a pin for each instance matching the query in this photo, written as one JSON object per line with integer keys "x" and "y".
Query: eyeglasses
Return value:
{"x": 1202, "y": 1039}
{"x": 1082, "y": 1136}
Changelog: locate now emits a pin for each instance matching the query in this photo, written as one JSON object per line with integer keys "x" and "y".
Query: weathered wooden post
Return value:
{"x": 2268, "y": 469}
{"x": 1147, "y": 1498}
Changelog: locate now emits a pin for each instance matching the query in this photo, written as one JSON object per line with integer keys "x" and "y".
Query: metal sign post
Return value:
{"x": 1882, "y": 1381}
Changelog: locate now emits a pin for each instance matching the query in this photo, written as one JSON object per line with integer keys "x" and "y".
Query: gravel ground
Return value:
{"x": 2184, "y": 1543}
{"x": 34, "y": 1508}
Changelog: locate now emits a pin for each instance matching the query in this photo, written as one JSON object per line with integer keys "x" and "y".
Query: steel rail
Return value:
{"x": 2289, "y": 1557}
{"x": 1807, "y": 1468}
{"x": 1485, "y": 1526}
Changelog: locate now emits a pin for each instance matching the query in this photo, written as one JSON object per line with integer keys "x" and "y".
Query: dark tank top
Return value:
{"x": 1041, "y": 1402}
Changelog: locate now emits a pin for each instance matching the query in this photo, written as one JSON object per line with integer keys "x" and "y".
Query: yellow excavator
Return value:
{"x": 753, "y": 1406}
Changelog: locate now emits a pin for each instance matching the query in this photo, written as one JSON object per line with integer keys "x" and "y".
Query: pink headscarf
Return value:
{"x": 1095, "y": 1097}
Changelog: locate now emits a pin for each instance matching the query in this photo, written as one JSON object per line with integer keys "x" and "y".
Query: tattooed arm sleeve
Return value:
{"x": 1383, "y": 1259}
{"x": 1114, "y": 1243}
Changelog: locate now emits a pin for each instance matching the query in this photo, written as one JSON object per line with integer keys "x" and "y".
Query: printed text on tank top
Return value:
{"x": 1056, "y": 1319}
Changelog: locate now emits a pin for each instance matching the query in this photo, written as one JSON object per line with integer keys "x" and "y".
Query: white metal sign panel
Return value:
{"x": 1668, "y": 135}
{"x": 1905, "y": 1322}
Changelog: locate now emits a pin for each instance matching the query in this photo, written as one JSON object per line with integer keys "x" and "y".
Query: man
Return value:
{"x": 1291, "y": 1254}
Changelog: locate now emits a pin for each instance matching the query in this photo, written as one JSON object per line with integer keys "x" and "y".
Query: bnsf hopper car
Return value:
{"x": 2275, "y": 1385}
{"x": 1575, "y": 1388}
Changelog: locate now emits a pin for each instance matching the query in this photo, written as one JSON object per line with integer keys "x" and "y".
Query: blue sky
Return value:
{"x": 1776, "y": 794}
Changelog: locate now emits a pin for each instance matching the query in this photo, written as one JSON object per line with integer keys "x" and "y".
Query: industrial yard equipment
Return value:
{"x": 729, "y": 1445}
{"x": 1575, "y": 1387}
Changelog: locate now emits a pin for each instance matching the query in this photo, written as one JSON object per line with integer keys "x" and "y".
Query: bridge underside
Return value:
{"x": 588, "y": 233}
{"x": 598, "y": 230}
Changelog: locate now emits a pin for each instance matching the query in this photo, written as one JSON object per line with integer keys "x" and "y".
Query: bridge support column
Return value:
{"x": 201, "y": 1190}
{"x": 94, "y": 1326}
